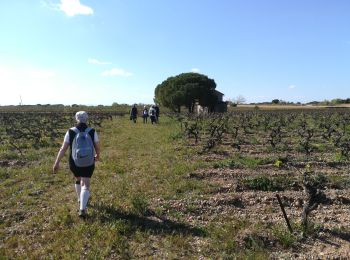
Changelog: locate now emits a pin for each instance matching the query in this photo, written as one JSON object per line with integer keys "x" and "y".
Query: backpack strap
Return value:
{"x": 88, "y": 129}
{"x": 76, "y": 130}
{"x": 91, "y": 132}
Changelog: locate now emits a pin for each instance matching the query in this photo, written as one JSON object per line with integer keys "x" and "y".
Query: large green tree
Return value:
{"x": 185, "y": 90}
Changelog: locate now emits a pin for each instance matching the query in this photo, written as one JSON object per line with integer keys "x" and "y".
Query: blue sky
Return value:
{"x": 100, "y": 52}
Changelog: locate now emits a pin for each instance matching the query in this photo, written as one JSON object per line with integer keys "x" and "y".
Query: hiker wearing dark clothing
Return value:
{"x": 145, "y": 114}
{"x": 152, "y": 114}
{"x": 156, "y": 107}
{"x": 84, "y": 151}
{"x": 133, "y": 113}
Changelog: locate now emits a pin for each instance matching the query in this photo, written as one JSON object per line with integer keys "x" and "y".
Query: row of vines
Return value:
{"x": 20, "y": 131}
{"x": 300, "y": 144}
{"x": 291, "y": 131}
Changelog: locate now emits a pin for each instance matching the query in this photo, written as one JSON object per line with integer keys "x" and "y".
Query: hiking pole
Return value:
{"x": 284, "y": 213}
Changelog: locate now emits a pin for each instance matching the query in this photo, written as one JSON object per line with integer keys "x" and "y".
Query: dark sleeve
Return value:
{"x": 71, "y": 136}
{"x": 92, "y": 134}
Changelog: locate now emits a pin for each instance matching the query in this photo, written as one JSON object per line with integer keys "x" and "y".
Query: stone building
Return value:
{"x": 220, "y": 106}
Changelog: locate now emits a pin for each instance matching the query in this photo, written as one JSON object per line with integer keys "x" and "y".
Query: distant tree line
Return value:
{"x": 337, "y": 101}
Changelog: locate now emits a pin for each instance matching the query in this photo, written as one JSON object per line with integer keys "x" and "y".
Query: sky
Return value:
{"x": 96, "y": 52}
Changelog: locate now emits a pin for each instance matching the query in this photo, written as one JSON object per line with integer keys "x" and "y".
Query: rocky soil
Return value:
{"x": 228, "y": 196}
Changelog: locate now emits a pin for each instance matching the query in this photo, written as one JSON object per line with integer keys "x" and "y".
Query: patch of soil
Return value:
{"x": 227, "y": 198}
{"x": 12, "y": 163}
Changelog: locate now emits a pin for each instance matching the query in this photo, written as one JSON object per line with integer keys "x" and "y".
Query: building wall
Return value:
{"x": 220, "y": 107}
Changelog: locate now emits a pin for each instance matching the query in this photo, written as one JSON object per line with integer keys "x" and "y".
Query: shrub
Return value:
{"x": 261, "y": 183}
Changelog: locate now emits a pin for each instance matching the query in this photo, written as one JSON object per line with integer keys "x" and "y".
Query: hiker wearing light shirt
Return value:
{"x": 84, "y": 151}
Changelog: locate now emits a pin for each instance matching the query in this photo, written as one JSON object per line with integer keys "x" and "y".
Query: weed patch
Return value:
{"x": 284, "y": 237}
{"x": 263, "y": 183}
{"x": 242, "y": 161}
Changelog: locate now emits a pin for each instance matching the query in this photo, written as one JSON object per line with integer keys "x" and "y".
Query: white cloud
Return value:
{"x": 292, "y": 86}
{"x": 74, "y": 7}
{"x": 195, "y": 70}
{"x": 116, "y": 72}
{"x": 94, "y": 61}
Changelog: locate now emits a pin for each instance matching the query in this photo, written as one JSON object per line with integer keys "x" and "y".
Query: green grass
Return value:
{"x": 283, "y": 236}
{"x": 261, "y": 183}
{"x": 139, "y": 164}
{"x": 239, "y": 161}
{"x": 338, "y": 182}
{"x": 265, "y": 183}
{"x": 143, "y": 172}
{"x": 237, "y": 238}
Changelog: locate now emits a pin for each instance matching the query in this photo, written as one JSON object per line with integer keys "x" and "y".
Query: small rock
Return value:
{"x": 265, "y": 218}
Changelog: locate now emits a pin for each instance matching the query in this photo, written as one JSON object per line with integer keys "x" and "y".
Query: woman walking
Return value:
{"x": 84, "y": 151}
{"x": 145, "y": 114}
{"x": 152, "y": 113}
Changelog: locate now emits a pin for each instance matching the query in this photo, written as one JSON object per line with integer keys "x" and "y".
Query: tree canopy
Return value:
{"x": 185, "y": 90}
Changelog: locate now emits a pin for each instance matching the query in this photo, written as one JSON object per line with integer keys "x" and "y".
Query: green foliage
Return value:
{"x": 237, "y": 239}
{"x": 240, "y": 161}
{"x": 284, "y": 237}
{"x": 227, "y": 164}
{"x": 311, "y": 230}
{"x": 184, "y": 90}
{"x": 254, "y": 242}
{"x": 261, "y": 183}
{"x": 316, "y": 180}
{"x": 139, "y": 204}
{"x": 223, "y": 235}
{"x": 338, "y": 182}
{"x": 278, "y": 163}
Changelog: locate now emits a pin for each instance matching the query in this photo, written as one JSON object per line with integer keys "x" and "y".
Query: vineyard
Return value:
{"x": 193, "y": 186}
{"x": 27, "y": 130}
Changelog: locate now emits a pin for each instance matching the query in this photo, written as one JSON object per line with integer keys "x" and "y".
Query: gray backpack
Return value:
{"x": 83, "y": 148}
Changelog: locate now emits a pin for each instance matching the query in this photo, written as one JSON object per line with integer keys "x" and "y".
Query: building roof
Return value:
{"x": 218, "y": 92}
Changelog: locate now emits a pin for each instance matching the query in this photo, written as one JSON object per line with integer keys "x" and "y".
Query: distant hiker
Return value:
{"x": 145, "y": 114}
{"x": 152, "y": 114}
{"x": 84, "y": 143}
{"x": 133, "y": 113}
{"x": 156, "y": 107}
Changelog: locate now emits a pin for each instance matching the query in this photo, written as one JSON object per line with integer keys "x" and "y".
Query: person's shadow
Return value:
{"x": 344, "y": 235}
{"x": 149, "y": 221}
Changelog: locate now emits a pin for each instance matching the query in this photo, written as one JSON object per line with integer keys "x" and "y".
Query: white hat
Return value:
{"x": 81, "y": 117}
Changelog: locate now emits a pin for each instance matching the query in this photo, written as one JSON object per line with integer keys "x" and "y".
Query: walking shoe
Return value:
{"x": 82, "y": 213}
